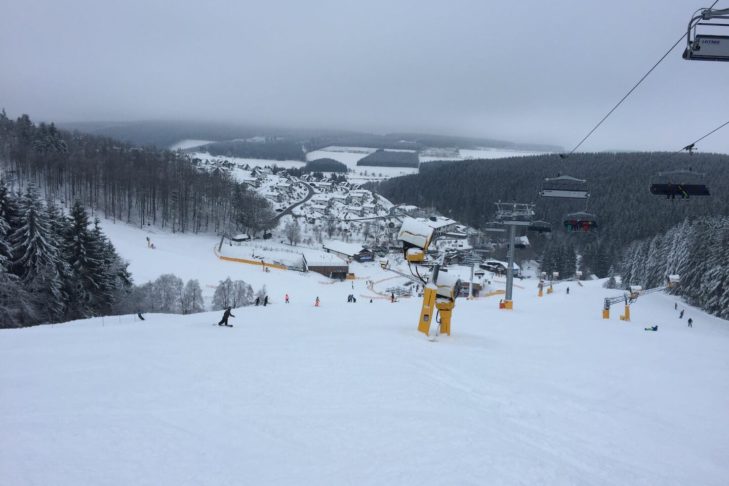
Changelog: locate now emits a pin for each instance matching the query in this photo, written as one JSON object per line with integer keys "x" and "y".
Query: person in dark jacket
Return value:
{"x": 226, "y": 315}
{"x": 258, "y": 301}
{"x": 265, "y": 301}
{"x": 691, "y": 322}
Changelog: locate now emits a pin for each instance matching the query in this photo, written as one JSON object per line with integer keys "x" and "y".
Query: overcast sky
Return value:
{"x": 528, "y": 71}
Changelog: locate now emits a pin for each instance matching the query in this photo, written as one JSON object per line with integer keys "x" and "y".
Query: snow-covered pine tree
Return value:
{"x": 84, "y": 255}
{"x": 114, "y": 277}
{"x": 36, "y": 258}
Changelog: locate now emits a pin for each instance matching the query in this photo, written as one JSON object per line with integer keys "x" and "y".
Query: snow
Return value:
{"x": 349, "y": 249}
{"x": 549, "y": 393}
{"x": 481, "y": 153}
{"x": 188, "y": 144}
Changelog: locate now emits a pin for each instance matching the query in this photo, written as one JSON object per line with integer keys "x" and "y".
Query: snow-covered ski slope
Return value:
{"x": 548, "y": 393}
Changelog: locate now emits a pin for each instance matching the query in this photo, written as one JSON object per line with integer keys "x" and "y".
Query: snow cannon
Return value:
{"x": 673, "y": 281}
{"x": 416, "y": 237}
{"x": 439, "y": 295}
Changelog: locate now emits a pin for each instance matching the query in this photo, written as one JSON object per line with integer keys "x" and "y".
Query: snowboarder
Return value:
{"x": 675, "y": 306}
{"x": 680, "y": 315}
{"x": 265, "y": 301}
{"x": 148, "y": 242}
{"x": 258, "y": 301}
{"x": 316, "y": 302}
{"x": 568, "y": 291}
{"x": 286, "y": 298}
{"x": 691, "y": 322}
{"x": 141, "y": 317}
{"x": 226, "y": 315}
{"x": 392, "y": 297}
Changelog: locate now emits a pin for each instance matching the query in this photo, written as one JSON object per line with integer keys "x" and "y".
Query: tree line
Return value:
{"x": 618, "y": 183}
{"x": 697, "y": 251}
{"x": 54, "y": 267}
{"x": 144, "y": 186}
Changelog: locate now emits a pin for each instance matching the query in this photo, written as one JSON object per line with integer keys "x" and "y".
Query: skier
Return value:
{"x": 691, "y": 322}
{"x": 680, "y": 316}
{"x": 265, "y": 301}
{"x": 226, "y": 315}
{"x": 148, "y": 242}
{"x": 316, "y": 302}
{"x": 258, "y": 301}
{"x": 568, "y": 291}
{"x": 286, "y": 299}
{"x": 675, "y": 306}
{"x": 392, "y": 297}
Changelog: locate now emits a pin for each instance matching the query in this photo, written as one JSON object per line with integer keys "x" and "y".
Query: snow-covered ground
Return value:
{"x": 360, "y": 174}
{"x": 481, "y": 153}
{"x": 188, "y": 144}
{"x": 548, "y": 393}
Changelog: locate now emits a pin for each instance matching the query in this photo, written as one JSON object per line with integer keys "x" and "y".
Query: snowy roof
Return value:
{"x": 439, "y": 222}
{"x": 499, "y": 262}
{"x": 349, "y": 249}
{"x": 415, "y": 232}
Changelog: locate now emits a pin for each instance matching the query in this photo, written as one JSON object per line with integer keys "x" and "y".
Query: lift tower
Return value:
{"x": 512, "y": 215}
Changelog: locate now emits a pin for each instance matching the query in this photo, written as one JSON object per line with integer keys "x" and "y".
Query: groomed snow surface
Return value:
{"x": 548, "y": 393}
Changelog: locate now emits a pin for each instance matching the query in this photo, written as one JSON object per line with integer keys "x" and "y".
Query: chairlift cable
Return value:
{"x": 683, "y": 36}
{"x": 690, "y": 147}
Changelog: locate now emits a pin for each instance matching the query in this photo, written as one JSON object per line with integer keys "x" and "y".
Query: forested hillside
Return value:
{"x": 618, "y": 183}
{"x": 54, "y": 267}
{"x": 136, "y": 185}
{"x": 697, "y": 250}
{"x": 269, "y": 149}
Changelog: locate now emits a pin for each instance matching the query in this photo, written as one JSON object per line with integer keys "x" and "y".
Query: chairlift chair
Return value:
{"x": 683, "y": 183}
{"x": 580, "y": 222}
{"x": 564, "y": 187}
{"x": 706, "y": 46}
{"x": 540, "y": 227}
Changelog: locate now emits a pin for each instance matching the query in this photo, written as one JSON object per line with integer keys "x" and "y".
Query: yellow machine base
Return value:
{"x": 445, "y": 309}
{"x": 426, "y": 312}
{"x": 606, "y": 313}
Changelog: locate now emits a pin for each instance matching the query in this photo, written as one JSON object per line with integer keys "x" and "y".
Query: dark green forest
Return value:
{"x": 618, "y": 183}
{"x": 390, "y": 158}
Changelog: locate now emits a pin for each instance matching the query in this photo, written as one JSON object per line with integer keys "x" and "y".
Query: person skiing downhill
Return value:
{"x": 265, "y": 301}
{"x": 690, "y": 322}
{"x": 680, "y": 316}
{"x": 226, "y": 315}
{"x": 287, "y": 298}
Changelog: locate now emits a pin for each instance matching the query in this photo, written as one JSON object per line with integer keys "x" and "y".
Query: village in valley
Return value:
{"x": 326, "y": 221}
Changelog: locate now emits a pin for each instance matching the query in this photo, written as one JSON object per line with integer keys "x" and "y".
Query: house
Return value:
{"x": 349, "y": 251}
{"x": 499, "y": 267}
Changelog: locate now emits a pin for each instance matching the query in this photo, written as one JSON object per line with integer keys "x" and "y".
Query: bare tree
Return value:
{"x": 292, "y": 230}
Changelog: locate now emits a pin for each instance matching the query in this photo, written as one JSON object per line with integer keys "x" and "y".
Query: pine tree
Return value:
{"x": 84, "y": 255}
{"x": 36, "y": 258}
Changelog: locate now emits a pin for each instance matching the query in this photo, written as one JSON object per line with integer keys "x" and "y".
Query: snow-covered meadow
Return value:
{"x": 549, "y": 393}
